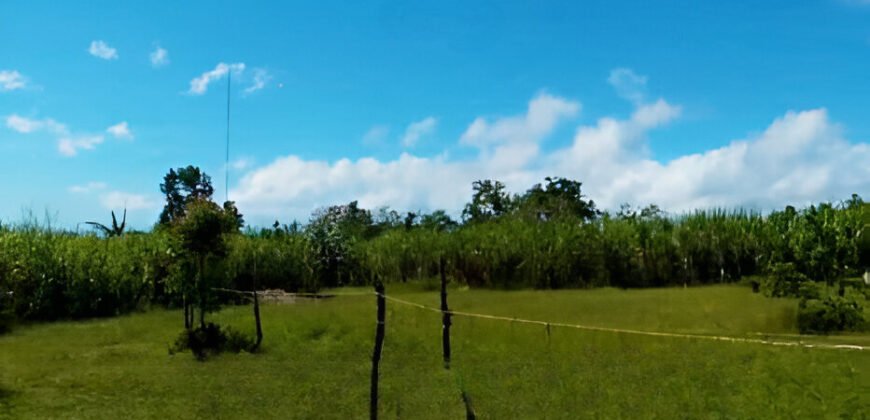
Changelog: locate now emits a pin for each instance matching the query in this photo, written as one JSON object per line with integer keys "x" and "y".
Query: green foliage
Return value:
{"x": 830, "y": 312}
{"x": 180, "y": 186}
{"x": 116, "y": 229}
{"x": 333, "y": 232}
{"x": 202, "y": 233}
{"x": 488, "y": 202}
{"x": 561, "y": 197}
{"x": 784, "y": 280}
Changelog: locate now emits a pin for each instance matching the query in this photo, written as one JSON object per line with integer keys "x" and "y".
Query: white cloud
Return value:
{"x": 798, "y": 158}
{"x": 261, "y": 77}
{"x": 114, "y": 199}
{"x": 376, "y": 135}
{"x": 102, "y": 50}
{"x": 117, "y": 200}
{"x": 27, "y": 125}
{"x": 120, "y": 131}
{"x": 291, "y": 184}
{"x": 628, "y": 84}
{"x": 159, "y": 57}
{"x": 87, "y": 188}
{"x": 199, "y": 85}
{"x": 417, "y": 130}
{"x": 544, "y": 113}
{"x": 242, "y": 163}
{"x": 70, "y": 146}
{"x": 11, "y": 80}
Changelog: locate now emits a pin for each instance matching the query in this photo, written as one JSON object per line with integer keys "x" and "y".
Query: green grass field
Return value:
{"x": 315, "y": 361}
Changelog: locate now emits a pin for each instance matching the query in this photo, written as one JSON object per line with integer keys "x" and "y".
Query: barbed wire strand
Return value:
{"x": 801, "y": 344}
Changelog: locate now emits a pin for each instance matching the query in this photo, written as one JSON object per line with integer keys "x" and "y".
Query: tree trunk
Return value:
{"x": 201, "y": 293}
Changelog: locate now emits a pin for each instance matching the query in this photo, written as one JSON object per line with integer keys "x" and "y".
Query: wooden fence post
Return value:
{"x": 256, "y": 309}
{"x": 379, "y": 345}
{"x": 445, "y": 315}
{"x": 257, "y": 320}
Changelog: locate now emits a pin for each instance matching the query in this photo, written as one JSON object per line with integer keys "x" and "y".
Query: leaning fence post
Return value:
{"x": 256, "y": 309}
{"x": 445, "y": 315}
{"x": 379, "y": 344}
{"x": 257, "y": 320}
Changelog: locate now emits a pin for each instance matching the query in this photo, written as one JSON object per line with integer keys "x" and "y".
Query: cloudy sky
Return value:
{"x": 686, "y": 104}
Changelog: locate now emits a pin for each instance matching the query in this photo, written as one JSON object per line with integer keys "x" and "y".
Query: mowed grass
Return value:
{"x": 315, "y": 361}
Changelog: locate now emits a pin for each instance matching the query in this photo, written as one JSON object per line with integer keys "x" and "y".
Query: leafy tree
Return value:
{"x": 560, "y": 197}
{"x": 181, "y": 186}
{"x": 332, "y": 232}
{"x": 438, "y": 220}
{"x": 202, "y": 233}
{"x": 488, "y": 202}
{"x": 232, "y": 212}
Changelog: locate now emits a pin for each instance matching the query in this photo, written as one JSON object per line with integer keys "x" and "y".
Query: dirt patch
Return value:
{"x": 280, "y": 296}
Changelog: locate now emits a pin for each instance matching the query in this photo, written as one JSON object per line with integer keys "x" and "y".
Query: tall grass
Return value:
{"x": 46, "y": 273}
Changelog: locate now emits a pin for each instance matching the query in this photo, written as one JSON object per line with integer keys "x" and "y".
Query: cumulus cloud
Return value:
{"x": 102, "y": 50}
{"x": 544, "y": 112}
{"x": 293, "y": 185}
{"x": 800, "y": 157}
{"x": 28, "y": 125}
{"x": 261, "y": 77}
{"x": 120, "y": 131}
{"x": 70, "y": 146}
{"x": 628, "y": 84}
{"x": 87, "y": 188}
{"x": 418, "y": 129}
{"x": 11, "y": 80}
{"x": 116, "y": 200}
{"x": 199, "y": 85}
{"x": 159, "y": 57}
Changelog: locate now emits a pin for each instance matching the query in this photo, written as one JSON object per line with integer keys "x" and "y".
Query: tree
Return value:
{"x": 181, "y": 186}
{"x": 438, "y": 220}
{"x": 560, "y": 197}
{"x": 332, "y": 231}
{"x": 202, "y": 233}
{"x": 488, "y": 201}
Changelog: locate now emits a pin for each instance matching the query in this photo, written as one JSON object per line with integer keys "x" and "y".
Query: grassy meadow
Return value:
{"x": 315, "y": 361}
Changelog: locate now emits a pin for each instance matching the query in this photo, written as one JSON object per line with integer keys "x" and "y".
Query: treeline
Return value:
{"x": 549, "y": 237}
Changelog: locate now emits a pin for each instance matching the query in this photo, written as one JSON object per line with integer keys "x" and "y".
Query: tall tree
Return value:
{"x": 181, "y": 186}
{"x": 488, "y": 201}
{"x": 560, "y": 197}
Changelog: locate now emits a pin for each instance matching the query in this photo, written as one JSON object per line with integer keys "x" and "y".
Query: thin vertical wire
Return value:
{"x": 227, "y": 159}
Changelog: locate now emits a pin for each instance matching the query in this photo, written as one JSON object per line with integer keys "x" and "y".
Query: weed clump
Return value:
{"x": 211, "y": 339}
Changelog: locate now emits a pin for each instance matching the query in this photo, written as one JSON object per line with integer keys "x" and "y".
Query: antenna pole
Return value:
{"x": 227, "y": 159}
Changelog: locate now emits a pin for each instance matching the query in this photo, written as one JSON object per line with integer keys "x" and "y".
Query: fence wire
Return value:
{"x": 547, "y": 324}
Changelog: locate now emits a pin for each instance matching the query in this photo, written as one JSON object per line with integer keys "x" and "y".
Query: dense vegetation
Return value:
{"x": 549, "y": 237}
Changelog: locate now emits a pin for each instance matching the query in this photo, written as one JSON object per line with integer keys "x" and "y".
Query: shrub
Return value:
{"x": 783, "y": 280}
{"x": 211, "y": 340}
{"x": 831, "y": 313}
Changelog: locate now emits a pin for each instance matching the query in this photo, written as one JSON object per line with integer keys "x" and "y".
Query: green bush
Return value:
{"x": 784, "y": 280}
{"x": 211, "y": 340}
{"x": 831, "y": 313}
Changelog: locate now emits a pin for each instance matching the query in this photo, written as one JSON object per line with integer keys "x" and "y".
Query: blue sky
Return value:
{"x": 683, "y": 103}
